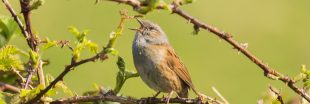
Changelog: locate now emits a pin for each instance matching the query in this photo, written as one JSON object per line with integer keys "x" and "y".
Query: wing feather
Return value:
{"x": 176, "y": 64}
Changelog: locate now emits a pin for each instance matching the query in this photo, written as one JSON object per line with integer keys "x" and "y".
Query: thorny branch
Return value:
{"x": 102, "y": 56}
{"x": 33, "y": 42}
{"x": 268, "y": 72}
{"x": 126, "y": 100}
{"x": 277, "y": 93}
{"x": 67, "y": 69}
{"x": 26, "y": 11}
{"x": 31, "y": 39}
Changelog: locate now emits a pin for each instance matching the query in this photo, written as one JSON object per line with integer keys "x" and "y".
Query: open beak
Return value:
{"x": 134, "y": 29}
{"x": 140, "y": 22}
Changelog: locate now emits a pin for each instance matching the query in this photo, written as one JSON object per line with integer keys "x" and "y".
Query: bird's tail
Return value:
{"x": 183, "y": 93}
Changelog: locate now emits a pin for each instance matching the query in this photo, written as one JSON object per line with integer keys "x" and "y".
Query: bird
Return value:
{"x": 157, "y": 62}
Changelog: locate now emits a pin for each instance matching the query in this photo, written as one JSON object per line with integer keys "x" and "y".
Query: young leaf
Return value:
{"x": 77, "y": 51}
{"x": 36, "y": 4}
{"x": 61, "y": 85}
{"x": 8, "y": 98}
{"x": 24, "y": 92}
{"x": 122, "y": 75}
{"x": 34, "y": 58}
{"x": 2, "y": 99}
{"x": 49, "y": 44}
{"x": 74, "y": 31}
{"x": 112, "y": 51}
{"x": 9, "y": 58}
{"x": 121, "y": 64}
{"x": 181, "y": 2}
{"x": 93, "y": 47}
{"x": 8, "y": 28}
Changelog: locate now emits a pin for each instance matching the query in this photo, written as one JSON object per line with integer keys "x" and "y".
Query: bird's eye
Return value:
{"x": 151, "y": 28}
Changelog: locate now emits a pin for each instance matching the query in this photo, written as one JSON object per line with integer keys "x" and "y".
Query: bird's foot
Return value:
{"x": 167, "y": 98}
{"x": 156, "y": 94}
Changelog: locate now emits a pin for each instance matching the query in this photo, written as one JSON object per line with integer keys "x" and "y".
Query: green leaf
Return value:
{"x": 122, "y": 74}
{"x": 9, "y": 58}
{"x": 34, "y": 56}
{"x": 80, "y": 36}
{"x": 3, "y": 41}
{"x": 49, "y": 44}
{"x": 77, "y": 51}
{"x": 111, "y": 51}
{"x": 24, "y": 92}
{"x": 36, "y": 4}
{"x": 93, "y": 47}
{"x": 153, "y": 5}
{"x": 144, "y": 10}
{"x": 8, "y": 27}
{"x": 51, "y": 92}
{"x": 96, "y": 86}
{"x": 299, "y": 77}
{"x": 182, "y": 2}
{"x": 2, "y": 99}
{"x": 74, "y": 31}
{"x": 9, "y": 98}
{"x": 61, "y": 85}
{"x": 306, "y": 84}
{"x": 121, "y": 64}
{"x": 82, "y": 42}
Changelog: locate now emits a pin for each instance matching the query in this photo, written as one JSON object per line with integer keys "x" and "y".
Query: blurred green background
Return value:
{"x": 277, "y": 32}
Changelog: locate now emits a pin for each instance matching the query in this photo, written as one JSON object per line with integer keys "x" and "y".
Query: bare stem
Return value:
{"x": 220, "y": 95}
{"x": 26, "y": 11}
{"x": 4, "y": 86}
{"x": 277, "y": 93}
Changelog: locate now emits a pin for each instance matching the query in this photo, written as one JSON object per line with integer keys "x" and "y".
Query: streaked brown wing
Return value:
{"x": 175, "y": 63}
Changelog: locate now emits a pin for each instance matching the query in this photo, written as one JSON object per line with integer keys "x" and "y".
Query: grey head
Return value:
{"x": 150, "y": 33}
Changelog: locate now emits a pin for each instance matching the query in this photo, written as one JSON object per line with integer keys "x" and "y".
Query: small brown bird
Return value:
{"x": 157, "y": 63}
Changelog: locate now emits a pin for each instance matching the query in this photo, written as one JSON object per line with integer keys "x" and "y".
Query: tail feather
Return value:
{"x": 183, "y": 93}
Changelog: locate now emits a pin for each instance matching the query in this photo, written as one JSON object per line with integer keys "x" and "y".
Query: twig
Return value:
{"x": 275, "y": 91}
{"x": 28, "y": 79}
{"x": 4, "y": 86}
{"x": 268, "y": 72}
{"x": 102, "y": 56}
{"x": 26, "y": 11}
{"x": 19, "y": 75}
{"x": 28, "y": 34}
{"x": 18, "y": 21}
{"x": 61, "y": 76}
{"x": 126, "y": 100}
{"x": 220, "y": 95}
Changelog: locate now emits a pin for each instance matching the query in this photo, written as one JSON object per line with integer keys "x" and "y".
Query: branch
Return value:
{"x": 268, "y": 72}
{"x": 277, "y": 93}
{"x": 26, "y": 11}
{"x": 4, "y": 86}
{"x": 220, "y": 95}
{"x": 102, "y": 56}
{"x": 67, "y": 69}
{"x": 28, "y": 34}
{"x": 126, "y": 100}
{"x": 18, "y": 21}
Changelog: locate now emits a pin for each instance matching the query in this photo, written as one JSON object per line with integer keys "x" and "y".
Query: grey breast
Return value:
{"x": 145, "y": 60}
